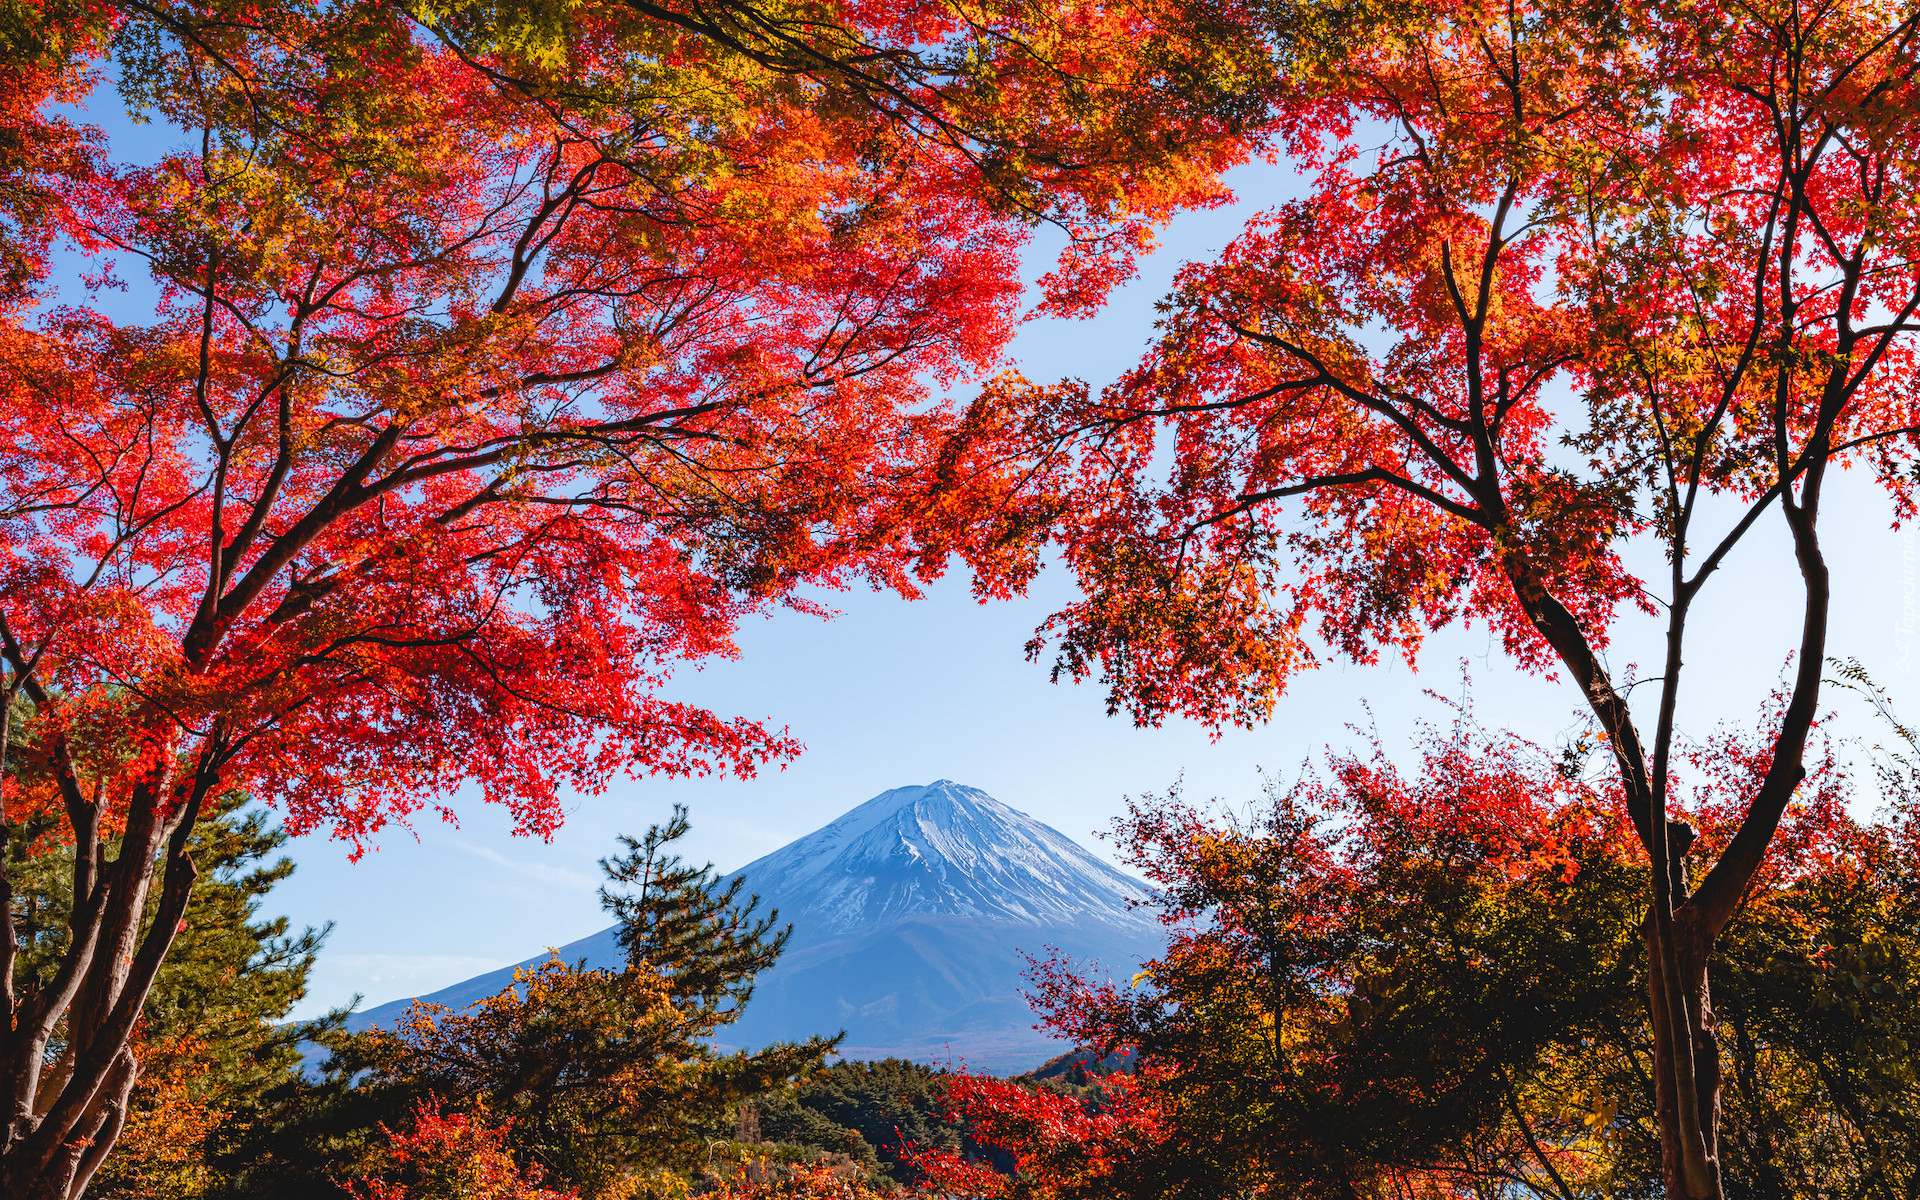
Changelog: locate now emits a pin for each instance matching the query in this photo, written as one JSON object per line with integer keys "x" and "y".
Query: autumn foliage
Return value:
{"x": 1037, "y": 1144}
{"x": 449, "y": 1156}
{"x": 750, "y": 1182}
{"x": 499, "y": 364}
{"x": 162, "y": 1150}
{"x": 1567, "y": 283}
{"x": 1425, "y": 980}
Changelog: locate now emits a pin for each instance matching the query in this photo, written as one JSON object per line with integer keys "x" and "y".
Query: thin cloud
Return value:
{"x": 538, "y": 871}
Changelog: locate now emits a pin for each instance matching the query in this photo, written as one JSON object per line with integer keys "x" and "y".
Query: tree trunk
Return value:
{"x": 1692, "y": 946}
{"x": 60, "y": 1118}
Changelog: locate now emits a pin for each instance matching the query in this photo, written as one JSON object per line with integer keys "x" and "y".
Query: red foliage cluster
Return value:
{"x": 441, "y": 1156}
{"x": 1042, "y": 1144}
{"x": 1364, "y": 973}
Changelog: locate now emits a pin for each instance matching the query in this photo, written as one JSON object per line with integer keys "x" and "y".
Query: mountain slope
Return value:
{"x": 913, "y": 915}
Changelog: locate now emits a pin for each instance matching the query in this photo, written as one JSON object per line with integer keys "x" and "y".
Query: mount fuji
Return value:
{"x": 912, "y": 918}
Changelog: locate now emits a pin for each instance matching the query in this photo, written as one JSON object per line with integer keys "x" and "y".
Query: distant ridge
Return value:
{"x": 913, "y": 914}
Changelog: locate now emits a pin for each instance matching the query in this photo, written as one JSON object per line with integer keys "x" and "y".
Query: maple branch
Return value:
{"x": 1375, "y": 403}
{"x": 66, "y": 778}
{"x": 284, "y": 451}
{"x": 97, "y": 1037}
{"x": 1882, "y": 343}
{"x": 1562, "y": 632}
{"x": 202, "y": 635}
{"x": 36, "y": 1019}
{"x": 1533, "y": 1143}
{"x": 530, "y": 244}
{"x": 100, "y": 1138}
{"x": 1318, "y": 482}
{"x": 1532, "y": 380}
{"x": 1871, "y": 438}
{"x": 1111, "y": 415}
{"x": 1719, "y": 894}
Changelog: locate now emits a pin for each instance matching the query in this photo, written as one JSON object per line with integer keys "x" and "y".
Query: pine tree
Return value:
{"x": 689, "y": 925}
{"x": 608, "y": 1077}
{"x": 878, "y": 1113}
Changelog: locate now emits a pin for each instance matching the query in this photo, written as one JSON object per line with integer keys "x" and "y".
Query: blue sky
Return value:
{"x": 892, "y": 693}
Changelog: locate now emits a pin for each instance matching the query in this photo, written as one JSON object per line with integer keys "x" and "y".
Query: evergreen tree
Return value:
{"x": 607, "y": 1077}
{"x": 878, "y": 1113}
{"x": 687, "y": 925}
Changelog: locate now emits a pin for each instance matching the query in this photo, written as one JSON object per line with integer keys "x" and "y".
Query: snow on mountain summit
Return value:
{"x": 940, "y": 849}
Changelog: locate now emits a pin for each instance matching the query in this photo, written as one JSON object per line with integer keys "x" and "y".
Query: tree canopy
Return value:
{"x": 1567, "y": 280}
{"x": 1427, "y": 981}
{"x": 504, "y": 357}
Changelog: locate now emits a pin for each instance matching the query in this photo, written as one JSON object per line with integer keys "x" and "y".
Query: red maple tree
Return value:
{"x": 502, "y": 362}
{"x": 1418, "y": 982}
{"x": 1567, "y": 277}
{"x": 440, "y": 1154}
{"x": 1049, "y": 1146}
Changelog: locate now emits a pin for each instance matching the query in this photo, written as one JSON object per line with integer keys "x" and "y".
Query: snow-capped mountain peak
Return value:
{"x": 943, "y": 849}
